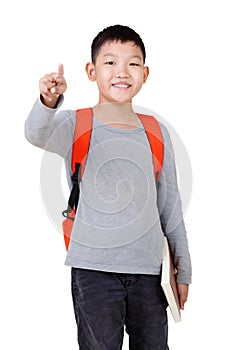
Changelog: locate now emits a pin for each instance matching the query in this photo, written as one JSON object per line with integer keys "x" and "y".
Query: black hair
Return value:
{"x": 116, "y": 33}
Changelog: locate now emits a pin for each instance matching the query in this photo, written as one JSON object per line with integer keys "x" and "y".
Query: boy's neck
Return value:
{"x": 117, "y": 115}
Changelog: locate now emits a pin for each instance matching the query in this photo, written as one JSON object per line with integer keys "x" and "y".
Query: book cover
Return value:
{"x": 168, "y": 282}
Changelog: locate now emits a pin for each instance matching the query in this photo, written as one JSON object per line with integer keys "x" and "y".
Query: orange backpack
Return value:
{"x": 82, "y": 136}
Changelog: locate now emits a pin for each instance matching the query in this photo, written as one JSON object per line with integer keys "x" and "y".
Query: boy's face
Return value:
{"x": 119, "y": 72}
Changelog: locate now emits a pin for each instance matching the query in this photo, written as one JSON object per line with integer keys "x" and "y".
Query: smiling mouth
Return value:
{"x": 121, "y": 86}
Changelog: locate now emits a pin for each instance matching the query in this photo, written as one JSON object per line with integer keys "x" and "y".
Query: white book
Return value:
{"x": 168, "y": 282}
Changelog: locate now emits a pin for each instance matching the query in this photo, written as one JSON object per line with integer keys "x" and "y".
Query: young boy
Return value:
{"x": 116, "y": 246}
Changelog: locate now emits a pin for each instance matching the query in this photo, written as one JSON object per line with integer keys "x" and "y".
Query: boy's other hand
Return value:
{"x": 52, "y": 86}
{"x": 183, "y": 294}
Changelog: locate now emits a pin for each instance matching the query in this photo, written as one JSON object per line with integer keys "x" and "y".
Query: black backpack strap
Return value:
{"x": 74, "y": 194}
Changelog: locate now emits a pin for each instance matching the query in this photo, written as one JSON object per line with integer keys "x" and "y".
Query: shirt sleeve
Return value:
{"x": 171, "y": 215}
{"x": 49, "y": 129}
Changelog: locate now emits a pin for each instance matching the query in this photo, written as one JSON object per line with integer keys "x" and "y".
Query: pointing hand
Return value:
{"x": 52, "y": 86}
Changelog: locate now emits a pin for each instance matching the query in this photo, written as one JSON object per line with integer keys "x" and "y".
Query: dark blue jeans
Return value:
{"x": 105, "y": 302}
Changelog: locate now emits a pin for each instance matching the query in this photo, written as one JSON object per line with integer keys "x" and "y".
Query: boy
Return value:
{"x": 115, "y": 251}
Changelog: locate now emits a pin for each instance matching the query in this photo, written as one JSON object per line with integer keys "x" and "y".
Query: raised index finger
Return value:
{"x": 60, "y": 69}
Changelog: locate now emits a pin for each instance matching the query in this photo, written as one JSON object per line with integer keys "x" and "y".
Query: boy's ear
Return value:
{"x": 146, "y": 73}
{"x": 90, "y": 69}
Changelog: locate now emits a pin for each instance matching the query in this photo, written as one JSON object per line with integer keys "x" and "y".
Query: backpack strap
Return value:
{"x": 155, "y": 138}
{"x": 82, "y": 136}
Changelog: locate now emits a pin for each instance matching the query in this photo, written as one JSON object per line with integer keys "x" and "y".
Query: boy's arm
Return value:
{"x": 49, "y": 130}
{"x": 171, "y": 216}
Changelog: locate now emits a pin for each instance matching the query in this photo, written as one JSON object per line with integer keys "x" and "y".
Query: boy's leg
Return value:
{"x": 146, "y": 315}
{"x": 99, "y": 305}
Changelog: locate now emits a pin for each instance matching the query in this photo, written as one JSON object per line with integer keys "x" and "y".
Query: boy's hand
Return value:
{"x": 52, "y": 86}
{"x": 183, "y": 294}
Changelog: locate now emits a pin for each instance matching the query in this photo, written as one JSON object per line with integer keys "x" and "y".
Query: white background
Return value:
{"x": 190, "y": 54}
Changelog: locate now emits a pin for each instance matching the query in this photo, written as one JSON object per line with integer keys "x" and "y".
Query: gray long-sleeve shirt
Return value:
{"x": 121, "y": 216}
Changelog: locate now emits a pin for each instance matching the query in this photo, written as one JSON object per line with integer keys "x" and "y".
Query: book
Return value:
{"x": 168, "y": 282}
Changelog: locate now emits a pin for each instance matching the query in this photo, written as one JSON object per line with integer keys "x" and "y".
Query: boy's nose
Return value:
{"x": 122, "y": 72}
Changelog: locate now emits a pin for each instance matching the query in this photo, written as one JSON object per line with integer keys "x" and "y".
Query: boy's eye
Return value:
{"x": 134, "y": 64}
{"x": 110, "y": 63}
